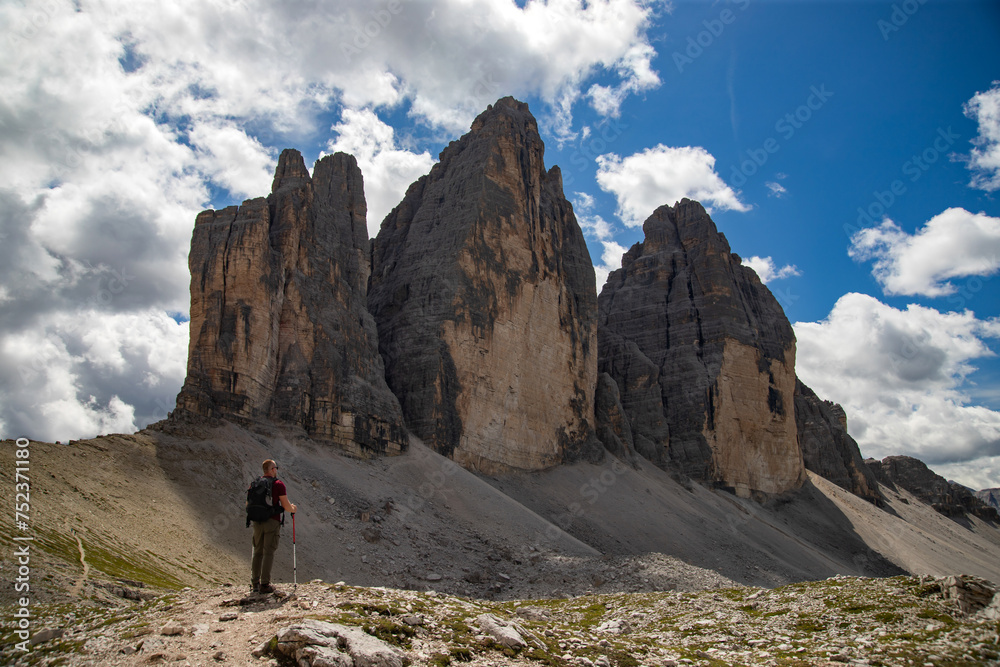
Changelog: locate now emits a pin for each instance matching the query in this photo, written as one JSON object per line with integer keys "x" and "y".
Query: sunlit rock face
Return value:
{"x": 484, "y": 295}
{"x": 280, "y": 330}
{"x": 703, "y": 357}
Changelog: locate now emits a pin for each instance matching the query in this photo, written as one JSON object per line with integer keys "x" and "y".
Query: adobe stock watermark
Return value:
{"x": 434, "y": 484}
{"x": 376, "y": 21}
{"x": 590, "y": 492}
{"x": 972, "y": 286}
{"x": 698, "y": 43}
{"x": 785, "y": 127}
{"x": 589, "y": 148}
{"x": 785, "y": 297}
{"x": 21, "y": 560}
{"x": 35, "y": 21}
{"x": 900, "y": 14}
{"x": 914, "y": 168}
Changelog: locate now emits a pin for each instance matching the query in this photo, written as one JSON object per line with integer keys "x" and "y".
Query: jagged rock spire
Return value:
{"x": 703, "y": 357}
{"x": 280, "y": 331}
{"x": 485, "y": 299}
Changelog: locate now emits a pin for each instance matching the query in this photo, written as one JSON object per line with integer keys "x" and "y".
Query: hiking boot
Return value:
{"x": 254, "y": 588}
{"x": 266, "y": 588}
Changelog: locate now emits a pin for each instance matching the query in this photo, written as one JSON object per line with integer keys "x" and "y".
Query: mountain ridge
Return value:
{"x": 286, "y": 362}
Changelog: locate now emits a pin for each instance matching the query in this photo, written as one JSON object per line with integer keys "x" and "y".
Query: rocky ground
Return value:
{"x": 139, "y": 555}
{"x": 843, "y": 620}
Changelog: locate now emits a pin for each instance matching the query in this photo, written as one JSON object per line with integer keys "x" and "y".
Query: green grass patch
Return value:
{"x": 888, "y": 617}
{"x": 809, "y": 625}
{"x": 371, "y": 609}
{"x": 934, "y": 614}
{"x": 397, "y": 634}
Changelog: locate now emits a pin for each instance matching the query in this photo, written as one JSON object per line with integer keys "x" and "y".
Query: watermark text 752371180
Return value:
{"x": 22, "y": 544}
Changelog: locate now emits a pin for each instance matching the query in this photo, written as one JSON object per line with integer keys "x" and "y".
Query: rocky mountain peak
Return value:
{"x": 291, "y": 171}
{"x": 280, "y": 331}
{"x": 827, "y": 448}
{"x": 484, "y": 295}
{"x": 703, "y": 357}
{"x": 949, "y": 498}
{"x": 508, "y": 113}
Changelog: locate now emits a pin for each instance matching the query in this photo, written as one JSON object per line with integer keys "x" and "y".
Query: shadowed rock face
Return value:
{"x": 279, "y": 326}
{"x": 483, "y": 291}
{"x": 948, "y": 498}
{"x": 990, "y": 497}
{"x": 703, "y": 357}
{"x": 827, "y": 449}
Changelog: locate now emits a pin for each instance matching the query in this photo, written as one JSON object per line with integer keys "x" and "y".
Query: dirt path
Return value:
{"x": 78, "y": 586}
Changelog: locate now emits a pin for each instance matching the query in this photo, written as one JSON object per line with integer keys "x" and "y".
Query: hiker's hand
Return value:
{"x": 294, "y": 507}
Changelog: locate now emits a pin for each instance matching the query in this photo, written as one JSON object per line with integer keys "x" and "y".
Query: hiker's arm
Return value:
{"x": 289, "y": 506}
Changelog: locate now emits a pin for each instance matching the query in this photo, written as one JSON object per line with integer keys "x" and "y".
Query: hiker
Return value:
{"x": 267, "y": 529}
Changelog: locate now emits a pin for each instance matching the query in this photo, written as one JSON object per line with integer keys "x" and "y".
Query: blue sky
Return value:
{"x": 123, "y": 119}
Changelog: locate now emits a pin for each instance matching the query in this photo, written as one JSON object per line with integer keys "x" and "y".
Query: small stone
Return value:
{"x": 413, "y": 619}
{"x": 229, "y": 616}
{"x": 433, "y": 576}
{"x": 46, "y": 635}
{"x": 172, "y": 628}
{"x": 219, "y": 656}
{"x": 261, "y": 650}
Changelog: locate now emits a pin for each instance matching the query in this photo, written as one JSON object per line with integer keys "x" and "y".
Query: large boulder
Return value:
{"x": 485, "y": 299}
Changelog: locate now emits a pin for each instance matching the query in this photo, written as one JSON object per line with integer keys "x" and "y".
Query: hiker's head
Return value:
{"x": 270, "y": 468}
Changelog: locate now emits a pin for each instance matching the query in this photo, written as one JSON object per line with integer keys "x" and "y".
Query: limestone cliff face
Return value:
{"x": 484, "y": 295}
{"x": 703, "y": 357}
{"x": 279, "y": 326}
{"x": 827, "y": 449}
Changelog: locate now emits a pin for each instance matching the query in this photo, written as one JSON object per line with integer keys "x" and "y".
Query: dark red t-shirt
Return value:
{"x": 277, "y": 490}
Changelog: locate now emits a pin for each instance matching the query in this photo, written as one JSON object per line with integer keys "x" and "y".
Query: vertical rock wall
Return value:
{"x": 827, "y": 449}
{"x": 703, "y": 357}
{"x": 484, "y": 295}
{"x": 279, "y": 325}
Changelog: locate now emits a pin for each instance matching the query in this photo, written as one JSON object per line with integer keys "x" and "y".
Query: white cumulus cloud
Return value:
{"x": 901, "y": 376}
{"x": 611, "y": 260}
{"x": 767, "y": 270}
{"x": 598, "y": 228}
{"x": 387, "y": 170}
{"x": 953, "y": 244}
{"x": 984, "y": 160}
{"x": 664, "y": 175}
{"x": 637, "y": 76}
{"x": 122, "y": 119}
{"x": 91, "y": 372}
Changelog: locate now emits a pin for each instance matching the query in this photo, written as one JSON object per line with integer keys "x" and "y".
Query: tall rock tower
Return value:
{"x": 280, "y": 331}
{"x": 703, "y": 357}
{"x": 484, "y": 295}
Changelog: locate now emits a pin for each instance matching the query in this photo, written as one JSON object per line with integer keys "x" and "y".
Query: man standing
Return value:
{"x": 267, "y": 532}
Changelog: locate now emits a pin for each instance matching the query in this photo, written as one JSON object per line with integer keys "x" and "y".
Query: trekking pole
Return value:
{"x": 295, "y": 577}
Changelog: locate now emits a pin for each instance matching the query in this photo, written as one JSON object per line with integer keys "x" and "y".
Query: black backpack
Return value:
{"x": 259, "y": 500}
